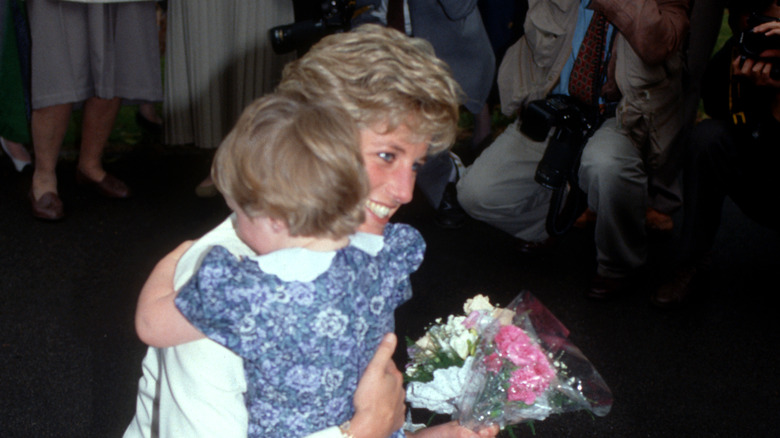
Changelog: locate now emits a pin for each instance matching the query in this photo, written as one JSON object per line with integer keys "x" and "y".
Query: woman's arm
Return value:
{"x": 157, "y": 320}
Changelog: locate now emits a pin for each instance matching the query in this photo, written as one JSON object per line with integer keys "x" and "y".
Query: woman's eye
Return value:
{"x": 387, "y": 156}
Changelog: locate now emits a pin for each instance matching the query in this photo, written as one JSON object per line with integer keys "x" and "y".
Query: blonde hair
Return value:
{"x": 295, "y": 161}
{"x": 384, "y": 79}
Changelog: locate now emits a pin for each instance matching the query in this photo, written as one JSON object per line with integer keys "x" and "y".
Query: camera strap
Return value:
{"x": 569, "y": 202}
{"x": 735, "y": 101}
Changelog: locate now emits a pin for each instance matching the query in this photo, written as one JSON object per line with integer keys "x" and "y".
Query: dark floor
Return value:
{"x": 69, "y": 359}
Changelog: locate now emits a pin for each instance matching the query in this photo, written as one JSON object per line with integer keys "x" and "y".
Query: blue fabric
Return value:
{"x": 304, "y": 344}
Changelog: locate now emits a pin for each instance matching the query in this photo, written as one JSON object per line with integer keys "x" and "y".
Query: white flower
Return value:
{"x": 425, "y": 343}
{"x": 479, "y": 302}
{"x": 460, "y": 344}
{"x": 504, "y": 316}
{"x": 360, "y": 328}
{"x": 330, "y": 322}
{"x": 332, "y": 378}
{"x": 248, "y": 325}
{"x": 376, "y": 304}
{"x": 457, "y": 336}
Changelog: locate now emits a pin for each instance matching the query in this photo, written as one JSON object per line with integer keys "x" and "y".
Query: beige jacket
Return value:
{"x": 646, "y": 64}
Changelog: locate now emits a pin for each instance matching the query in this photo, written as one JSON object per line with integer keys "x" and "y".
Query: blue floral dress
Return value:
{"x": 304, "y": 344}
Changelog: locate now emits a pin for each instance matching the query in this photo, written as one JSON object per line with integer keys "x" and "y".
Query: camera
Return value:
{"x": 559, "y": 165}
{"x": 561, "y": 158}
{"x": 335, "y": 16}
{"x": 751, "y": 44}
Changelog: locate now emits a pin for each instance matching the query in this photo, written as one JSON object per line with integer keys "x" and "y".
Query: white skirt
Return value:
{"x": 218, "y": 60}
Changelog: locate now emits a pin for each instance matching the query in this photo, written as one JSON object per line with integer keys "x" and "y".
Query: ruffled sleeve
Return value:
{"x": 405, "y": 245}
{"x": 220, "y": 300}
{"x": 402, "y": 254}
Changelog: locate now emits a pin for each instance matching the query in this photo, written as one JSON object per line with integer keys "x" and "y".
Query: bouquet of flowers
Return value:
{"x": 502, "y": 366}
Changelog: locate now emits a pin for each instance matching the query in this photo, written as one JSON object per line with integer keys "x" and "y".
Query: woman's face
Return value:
{"x": 392, "y": 161}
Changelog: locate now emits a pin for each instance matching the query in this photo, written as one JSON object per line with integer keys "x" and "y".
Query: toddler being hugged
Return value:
{"x": 286, "y": 283}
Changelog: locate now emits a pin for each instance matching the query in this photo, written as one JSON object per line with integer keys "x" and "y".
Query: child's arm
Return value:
{"x": 157, "y": 320}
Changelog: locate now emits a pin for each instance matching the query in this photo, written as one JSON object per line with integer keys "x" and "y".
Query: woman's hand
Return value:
{"x": 380, "y": 396}
{"x": 454, "y": 430}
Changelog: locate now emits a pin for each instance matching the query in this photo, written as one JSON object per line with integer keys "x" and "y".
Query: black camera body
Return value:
{"x": 559, "y": 165}
{"x": 336, "y": 16}
{"x": 751, "y": 44}
{"x": 561, "y": 157}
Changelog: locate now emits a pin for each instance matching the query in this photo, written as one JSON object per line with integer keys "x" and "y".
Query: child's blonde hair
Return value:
{"x": 383, "y": 78}
{"x": 295, "y": 161}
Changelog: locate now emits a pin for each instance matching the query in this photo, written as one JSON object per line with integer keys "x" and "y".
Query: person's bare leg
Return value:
{"x": 99, "y": 117}
{"x": 16, "y": 152}
{"x": 481, "y": 128}
{"x": 149, "y": 112}
{"x": 48, "y": 126}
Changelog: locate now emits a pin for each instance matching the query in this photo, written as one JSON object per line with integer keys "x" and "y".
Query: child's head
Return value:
{"x": 296, "y": 162}
{"x": 384, "y": 79}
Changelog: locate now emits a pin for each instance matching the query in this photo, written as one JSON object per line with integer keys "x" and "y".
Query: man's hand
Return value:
{"x": 757, "y": 70}
{"x": 379, "y": 398}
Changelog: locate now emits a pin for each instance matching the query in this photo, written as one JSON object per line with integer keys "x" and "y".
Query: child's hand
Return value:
{"x": 379, "y": 398}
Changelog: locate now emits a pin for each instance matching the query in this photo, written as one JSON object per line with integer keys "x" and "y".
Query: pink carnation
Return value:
{"x": 493, "y": 363}
{"x": 534, "y": 373}
{"x": 514, "y": 344}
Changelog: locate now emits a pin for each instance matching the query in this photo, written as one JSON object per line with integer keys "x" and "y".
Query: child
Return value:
{"x": 306, "y": 302}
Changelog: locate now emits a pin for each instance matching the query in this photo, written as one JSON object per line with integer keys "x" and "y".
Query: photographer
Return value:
{"x": 628, "y": 155}
{"x": 735, "y": 153}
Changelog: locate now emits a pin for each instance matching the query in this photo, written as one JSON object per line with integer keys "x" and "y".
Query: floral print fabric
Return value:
{"x": 304, "y": 344}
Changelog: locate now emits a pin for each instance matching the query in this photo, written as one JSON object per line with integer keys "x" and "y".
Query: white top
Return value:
{"x": 197, "y": 389}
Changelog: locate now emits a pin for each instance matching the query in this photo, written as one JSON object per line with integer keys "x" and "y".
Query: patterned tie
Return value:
{"x": 587, "y": 67}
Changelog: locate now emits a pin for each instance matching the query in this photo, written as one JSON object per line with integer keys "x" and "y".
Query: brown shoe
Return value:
{"x": 586, "y": 219}
{"x": 48, "y": 207}
{"x": 657, "y": 221}
{"x": 109, "y": 186}
{"x": 604, "y": 288}
{"x": 675, "y": 291}
{"x": 685, "y": 283}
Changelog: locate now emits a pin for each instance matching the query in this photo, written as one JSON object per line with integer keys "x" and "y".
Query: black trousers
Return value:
{"x": 723, "y": 160}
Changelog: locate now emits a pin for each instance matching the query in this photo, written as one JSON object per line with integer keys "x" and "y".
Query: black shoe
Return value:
{"x": 535, "y": 248}
{"x": 450, "y": 214}
{"x": 605, "y": 288}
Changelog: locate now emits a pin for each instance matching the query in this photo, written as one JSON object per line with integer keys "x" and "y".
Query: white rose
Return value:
{"x": 425, "y": 343}
{"x": 454, "y": 325}
{"x": 504, "y": 316}
{"x": 479, "y": 302}
{"x": 460, "y": 344}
